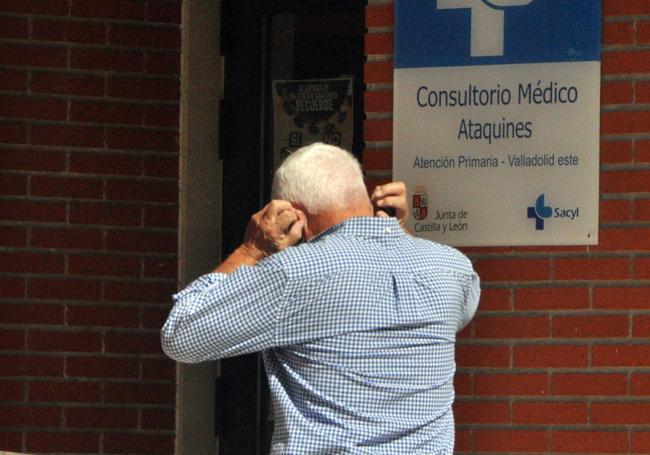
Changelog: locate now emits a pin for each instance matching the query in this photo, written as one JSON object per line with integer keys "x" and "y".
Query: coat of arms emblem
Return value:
{"x": 420, "y": 203}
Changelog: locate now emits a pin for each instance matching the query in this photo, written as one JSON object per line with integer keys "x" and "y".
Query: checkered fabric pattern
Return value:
{"x": 357, "y": 329}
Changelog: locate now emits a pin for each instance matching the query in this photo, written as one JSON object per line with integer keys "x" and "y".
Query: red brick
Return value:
{"x": 548, "y": 412}
{"x": 160, "y": 268}
{"x": 29, "y": 416}
{"x": 583, "y": 384}
{"x": 379, "y": 43}
{"x": 147, "y": 89}
{"x": 378, "y": 130}
{"x": 152, "y": 292}
{"x": 589, "y": 441}
{"x": 63, "y": 289}
{"x": 73, "y": 392}
{"x": 12, "y": 132}
{"x": 23, "y": 365}
{"x": 30, "y": 313}
{"x": 375, "y": 159}
{"x": 473, "y": 412}
{"x": 622, "y": 298}
{"x": 132, "y": 343}
{"x": 380, "y": 15}
{"x": 616, "y": 151}
{"x": 78, "y": 239}
{"x": 104, "y": 315}
{"x": 13, "y": 28}
{"x": 621, "y": 355}
{"x": 640, "y": 442}
{"x": 591, "y": 268}
{"x": 32, "y": 160}
{"x": 63, "y": 341}
{"x": 71, "y": 187}
{"x": 113, "y": 163}
{"x": 641, "y": 383}
{"x": 643, "y": 92}
{"x": 618, "y": 33}
{"x": 102, "y": 367}
{"x": 69, "y": 31}
{"x": 13, "y": 288}
{"x": 164, "y": 216}
{"x": 144, "y": 36}
{"x": 25, "y": 55}
{"x": 590, "y": 326}
{"x": 96, "y": 417}
{"x": 49, "y": 7}
{"x": 158, "y": 419}
{"x": 643, "y": 32}
{"x": 25, "y": 262}
{"x": 620, "y": 413}
{"x": 13, "y": 236}
{"x": 11, "y": 391}
{"x": 615, "y": 210}
{"x": 67, "y": 84}
{"x": 642, "y": 268}
{"x": 161, "y": 242}
{"x": 62, "y": 441}
{"x": 139, "y": 393}
{"x": 161, "y": 166}
{"x": 501, "y": 384}
{"x": 107, "y": 214}
{"x": 154, "y": 318}
{"x": 625, "y": 122}
{"x": 12, "y": 79}
{"x": 504, "y": 269}
{"x": 642, "y": 210}
{"x": 497, "y": 356}
{"x": 32, "y": 211}
{"x": 159, "y": 369}
{"x": 138, "y": 443}
{"x": 164, "y": 62}
{"x": 512, "y": 327}
{"x": 551, "y": 355}
{"x": 625, "y": 7}
{"x": 107, "y": 59}
{"x": 64, "y": 135}
{"x": 378, "y": 72}
{"x": 625, "y": 181}
{"x": 618, "y": 92}
{"x": 104, "y": 265}
{"x": 109, "y": 9}
{"x": 641, "y": 326}
{"x": 13, "y": 185}
{"x": 624, "y": 239}
{"x": 378, "y": 101}
{"x": 11, "y": 440}
{"x": 510, "y": 440}
{"x": 139, "y": 190}
{"x": 165, "y": 115}
{"x": 626, "y": 62}
{"x": 12, "y": 340}
{"x": 165, "y": 12}
{"x": 142, "y": 139}
{"x": 105, "y": 112}
{"x": 463, "y": 384}
{"x": 33, "y": 108}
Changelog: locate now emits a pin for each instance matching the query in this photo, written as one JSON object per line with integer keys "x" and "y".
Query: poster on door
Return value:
{"x": 496, "y": 119}
{"x": 308, "y": 111}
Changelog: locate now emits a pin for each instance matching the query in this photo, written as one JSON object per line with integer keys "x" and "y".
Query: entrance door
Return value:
{"x": 262, "y": 41}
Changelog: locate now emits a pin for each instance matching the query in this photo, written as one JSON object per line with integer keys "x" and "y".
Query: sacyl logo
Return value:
{"x": 540, "y": 211}
{"x": 487, "y": 23}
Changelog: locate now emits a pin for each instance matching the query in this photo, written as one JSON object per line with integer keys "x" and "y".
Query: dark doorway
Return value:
{"x": 263, "y": 41}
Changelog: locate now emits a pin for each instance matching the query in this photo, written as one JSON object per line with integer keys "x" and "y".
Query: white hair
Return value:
{"x": 320, "y": 177}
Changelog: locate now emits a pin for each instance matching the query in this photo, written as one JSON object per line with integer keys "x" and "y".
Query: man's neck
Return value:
{"x": 322, "y": 221}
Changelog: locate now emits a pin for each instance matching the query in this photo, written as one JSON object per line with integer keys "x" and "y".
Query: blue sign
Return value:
{"x": 438, "y": 33}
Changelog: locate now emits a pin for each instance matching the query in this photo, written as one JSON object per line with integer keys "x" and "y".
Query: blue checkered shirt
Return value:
{"x": 357, "y": 329}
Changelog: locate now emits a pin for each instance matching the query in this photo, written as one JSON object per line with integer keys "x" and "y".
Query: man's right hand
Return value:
{"x": 272, "y": 229}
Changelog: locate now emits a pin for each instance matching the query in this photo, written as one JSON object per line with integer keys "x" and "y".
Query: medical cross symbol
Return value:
{"x": 487, "y": 23}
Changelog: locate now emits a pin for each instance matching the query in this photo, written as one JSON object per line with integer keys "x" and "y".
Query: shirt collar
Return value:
{"x": 367, "y": 226}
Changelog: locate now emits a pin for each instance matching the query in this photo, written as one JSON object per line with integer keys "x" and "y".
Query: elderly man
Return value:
{"x": 356, "y": 319}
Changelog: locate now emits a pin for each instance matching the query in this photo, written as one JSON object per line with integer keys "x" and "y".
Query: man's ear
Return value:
{"x": 303, "y": 214}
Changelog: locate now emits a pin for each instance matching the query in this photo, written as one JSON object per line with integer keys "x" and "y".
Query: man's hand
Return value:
{"x": 391, "y": 195}
{"x": 275, "y": 227}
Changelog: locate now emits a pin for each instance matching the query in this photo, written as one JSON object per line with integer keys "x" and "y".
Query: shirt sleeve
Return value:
{"x": 472, "y": 296}
{"x": 221, "y": 315}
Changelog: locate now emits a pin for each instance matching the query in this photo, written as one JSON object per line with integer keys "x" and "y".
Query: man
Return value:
{"x": 357, "y": 323}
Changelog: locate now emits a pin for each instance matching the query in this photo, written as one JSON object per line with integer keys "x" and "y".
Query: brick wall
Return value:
{"x": 89, "y": 107}
{"x": 558, "y": 358}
